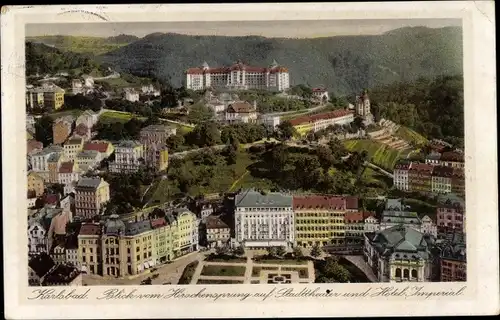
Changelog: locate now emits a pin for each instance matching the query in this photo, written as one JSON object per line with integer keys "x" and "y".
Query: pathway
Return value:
{"x": 360, "y": 263}
{"x": 374, "y": 166}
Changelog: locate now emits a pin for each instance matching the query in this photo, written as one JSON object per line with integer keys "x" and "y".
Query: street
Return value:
{"x": 167, "y": 273}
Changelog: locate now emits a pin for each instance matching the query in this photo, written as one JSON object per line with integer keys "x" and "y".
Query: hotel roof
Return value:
{"x": 101, "y": 147}
{"x": 442, "y": 171}
{"x": 88, "y": 182}
{"x": 87, "y": 154}
{"x": 237, "y": 66}
{"x": 128, "y": 144}
{"x": 90, "y": 229}
{"x": 321, "y": 116}
{"x": 251, "y": 198}
{"x": 136, "y": 228}
{"x": 66, "y": 167}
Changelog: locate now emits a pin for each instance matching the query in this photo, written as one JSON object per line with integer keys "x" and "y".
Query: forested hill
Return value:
{"x": 434, "y": 107}
{"x": 344, "y": 64}
{"x": 42, "y": 59}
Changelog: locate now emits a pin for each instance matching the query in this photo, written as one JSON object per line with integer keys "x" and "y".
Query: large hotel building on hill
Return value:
{"x": 238, "y": 77}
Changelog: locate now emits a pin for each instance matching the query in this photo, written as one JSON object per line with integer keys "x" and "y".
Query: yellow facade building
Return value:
{"x": 319, "y": 219}
{"x": 120, "y": 249}
{"x": 46, "y": 96}
{"x": 36, "y": 185}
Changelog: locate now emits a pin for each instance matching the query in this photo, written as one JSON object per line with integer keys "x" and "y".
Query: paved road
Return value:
{"x": 166, "y": 273}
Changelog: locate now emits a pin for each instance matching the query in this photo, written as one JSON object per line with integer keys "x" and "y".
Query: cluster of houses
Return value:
{"x": 133, "y": 94}
{"x": 440, "y": 173}
{"x": 398, "y": 244}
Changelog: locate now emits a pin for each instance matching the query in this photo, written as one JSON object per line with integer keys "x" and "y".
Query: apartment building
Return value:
{"x": 264, "y": 220}
{"x": 39, "y": 160}
{"x": 401, "y": 175}
{"x": 61, "y": 129}
{"x": 87, "y": 160}
{"x": 129, "y": 248}
{"x": 36, "y": 185}
{"x": 154, "y": 139}
{"x": 399, "y": 254}
{"x": 320, "y": 219}
{"x": 453, "y": 258}
{"x": 68, "y": 172}
{"x": 72, "y": 147}
{"x": 238, "y": 77}
{"x": 441, "y": 179}
{"x": 129, "y": 156}
{"x": 38, "y": 241}
{"x": 90, "y": 195}
{"x": 46, "y": 96}
{"x": 452, "y": 159}
{"x": 450, "y": 213}
{"x": 217, "y": 231}
{"x": 54, "y": 163}
{"x": 104, "y": 148}
{"x": 420, "y": 178}
{"x": 458, "y": 181}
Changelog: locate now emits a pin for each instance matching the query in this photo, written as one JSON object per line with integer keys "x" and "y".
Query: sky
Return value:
{"x": 270, "y": 29}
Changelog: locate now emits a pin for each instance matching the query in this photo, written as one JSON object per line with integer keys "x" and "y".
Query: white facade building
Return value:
{"x": 400, "y": 179}
{"x": 128, "y": 155}
{"x": 428, "y": 226}
{"x": 264, "y": 220}
{"x": 339, "y": 117}
{"x": 371, "y": 224}
{"x": 131, "y": 95}
{"x": 37, "y": 238}
{"x": 239, "y": 77}
{"x": 241, "y": 111}
{"x": 39, "y": 160}
{"x": 271, "y": 122}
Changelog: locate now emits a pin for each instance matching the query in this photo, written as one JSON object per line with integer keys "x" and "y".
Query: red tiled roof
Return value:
{"x": 320, "y": 202}
{"x": 353, "y": 217}
{"x": 367, "y": 214}
{"x": 51, "y": 198}
{"x": 318, "y": 90}
{"x": 351, "y": 202}
{"x": 421, "y": 167}
{"x": 66, "y": 167}
{"x": 34, "y": 145}
{"x": 452, "y": 156}
{"x": 236, "y": 66}
{"x": 157, "y": 223}
{"x": 101, "y": 147}
{"x": 320, "y": 116}
{"x": 90, "y": 229}
{"x": 240, "y": 107}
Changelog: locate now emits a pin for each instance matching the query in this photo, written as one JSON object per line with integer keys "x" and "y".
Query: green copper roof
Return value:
{"x": 251, "y": 198}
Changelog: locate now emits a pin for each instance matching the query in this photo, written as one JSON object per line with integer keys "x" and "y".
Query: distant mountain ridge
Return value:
{"x": 343, "y": 64}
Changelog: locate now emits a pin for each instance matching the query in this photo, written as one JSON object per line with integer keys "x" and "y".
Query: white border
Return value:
{"x": 480, "y": 101}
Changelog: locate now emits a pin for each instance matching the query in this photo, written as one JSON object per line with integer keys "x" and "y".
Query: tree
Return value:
{"x": 334, "y": 270}
{"x": 271, "y": 251}
{"x": 199, "y": 113}
{"x": 175, "y": 141}
{"x": 358, "y": 123}
{"x": 220, "y": 250}
{"x": 281, "y": 251}
{"x": 43, "y": 130}
{"x": 231, "y": 156}
{"x": 240, "y": 250}
{"x": 297, "y": 252}
{"x": 286, "y": 130}
{"x": 316, "y": 251}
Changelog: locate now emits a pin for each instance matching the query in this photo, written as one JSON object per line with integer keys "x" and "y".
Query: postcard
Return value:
{"x": 249, "y": 160}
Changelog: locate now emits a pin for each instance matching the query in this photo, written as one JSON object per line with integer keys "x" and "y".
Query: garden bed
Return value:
{"x": 226, "y": 271}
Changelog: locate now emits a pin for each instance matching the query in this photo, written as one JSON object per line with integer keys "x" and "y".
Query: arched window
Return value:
{"x": 414, "y": 274}
{"x": 398, "y": 273}
{"x": 406, "y": 273}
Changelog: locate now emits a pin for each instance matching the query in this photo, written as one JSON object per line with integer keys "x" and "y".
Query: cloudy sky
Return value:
{"x": 285, "y": 29}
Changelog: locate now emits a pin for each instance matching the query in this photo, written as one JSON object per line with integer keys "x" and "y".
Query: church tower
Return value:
{"x": 363, "y": 107}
